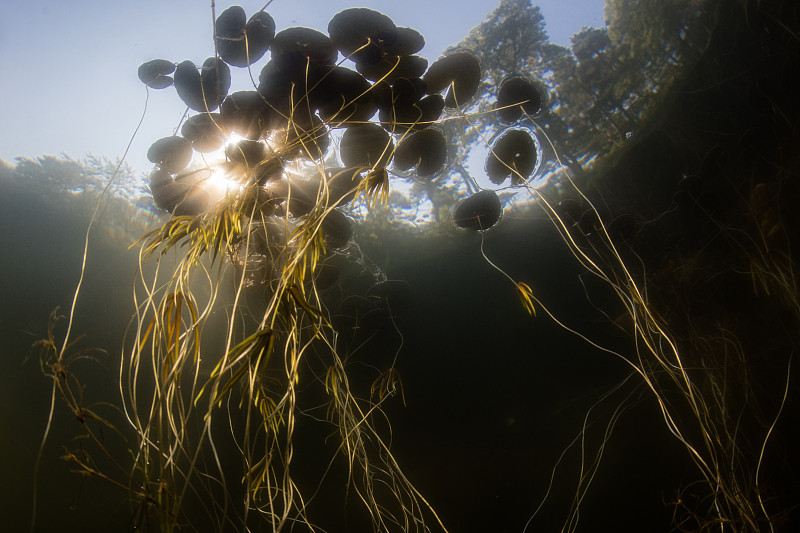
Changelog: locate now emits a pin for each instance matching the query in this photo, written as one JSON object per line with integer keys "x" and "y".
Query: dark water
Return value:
{"x": 493, "y": 396}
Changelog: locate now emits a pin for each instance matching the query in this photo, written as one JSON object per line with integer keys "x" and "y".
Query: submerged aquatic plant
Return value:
{"x": 700, "y": 417}
{"x": 234, "y": 349}
{"x": 270, "y": 206}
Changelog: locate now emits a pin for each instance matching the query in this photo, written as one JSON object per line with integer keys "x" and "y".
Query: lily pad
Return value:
{"x": 361, "y": 34}
{"x": 513, "y": 154}
{"x": 365, "y": 145}
{"x": 241, "y": 44}
{"x": 426, "y": 150}
{"x": 459, "y": 72}
{"x": 294, "y": 48}
{"x": 204, "y": 90}
{"x": 392, "y": 67}
{"x": 204, "y": 131}
{"x": 415, "y": 117}
{"x": 246, "y": 152}
{"x": 247, "y": 114}
{"x": 518, "y": 94}
{"x": 479, "y": 211}
{"x": 342, "y": 184}
{"x": 306, "y": 137}
{"x": 172, "y": 154}
{"x": 337, "y": 229}
{"x": 156, "y": 73}
{"x": 409, "y": 41}
{"x": 344, "y": 97}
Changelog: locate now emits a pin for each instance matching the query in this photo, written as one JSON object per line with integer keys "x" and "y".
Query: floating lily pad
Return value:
{"x": 306, "y": 137}
{"x": 392, "y": 67}
{"x": 159, "y": 177}
{"x": 241, "y": 44}
{"x": 172, "y": 154}
{"x": 268, "y": 170}
{"x": 513, "y": 154}
{"x": 276, "y": 88}
{"x": 409, "y": 41}
{"x": 230, "y": 24}
{"x": 246, "y": 113}
{"x": 204, "y": 90}
{"x": 294, "y": 48}
{"x": 426, "y": 150}
{"x": 338, "y": 188}
{"x": 166, "y": 194}
{"x": 337, "y": 229}
{"x": 459, "y": 72}
{"x": 299, "y": 195}
{"x": 204, "y": 131}
{"x": 343, "y": 96}
{"x": 259, "y": 203}
{"x": 156, "y": 73}
{"x": 365, "y": 145}
{"x": 415, "y": 117}
{"x": 197, "y": 198}
{"x": 184, "y": 195}
{"x": 518, "y": 94}
{"x": 355, "y": 112}
{"x": 342, "y": 184}
{"x": 479, "y": 211}
{"x": 246, "y": 152}
{"x": 407, "y": 91}
{"x": 361, "y": 34}
{"x": 291, "y": 88}
{"x": 403, "y": 92}
{"x": 332, "y": 88}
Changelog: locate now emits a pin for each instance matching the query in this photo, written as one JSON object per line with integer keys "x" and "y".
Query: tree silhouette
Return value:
{"x": 512, "y": 40}
{"x": 608, "y": 81}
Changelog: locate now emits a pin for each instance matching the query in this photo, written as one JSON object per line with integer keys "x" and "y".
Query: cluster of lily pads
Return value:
{"x": 259, "y": 136}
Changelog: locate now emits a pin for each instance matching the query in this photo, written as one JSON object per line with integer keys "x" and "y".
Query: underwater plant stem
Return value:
{"x": 38, "y": 461}
{"x": 653, "y": 341}
{"x": 766, "y": 440}
{"x": 557, "y": 321}
{"x": 631, "y": 284}
{"x": 66, "y": 343}
{"x": 503, "y": 272}
{"x": 91, "y": 224}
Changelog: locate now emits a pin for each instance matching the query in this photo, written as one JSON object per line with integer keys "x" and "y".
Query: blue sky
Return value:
{"x": 69, "y": 83}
